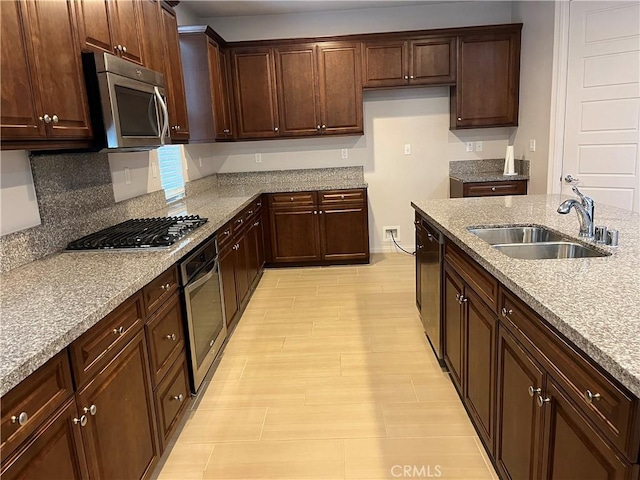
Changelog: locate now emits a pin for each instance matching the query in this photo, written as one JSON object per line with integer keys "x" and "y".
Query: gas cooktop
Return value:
{"x": 159, "y": 232}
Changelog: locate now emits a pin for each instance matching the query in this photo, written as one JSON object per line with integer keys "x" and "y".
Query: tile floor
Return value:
{"x": 329, "y": 375}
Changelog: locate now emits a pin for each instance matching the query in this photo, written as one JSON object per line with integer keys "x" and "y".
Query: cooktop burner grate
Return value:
{"x": 139, "y": 233}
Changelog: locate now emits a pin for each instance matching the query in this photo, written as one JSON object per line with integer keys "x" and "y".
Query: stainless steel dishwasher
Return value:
{"x": 206, "y": 325}
{"x": 430, "y": 253}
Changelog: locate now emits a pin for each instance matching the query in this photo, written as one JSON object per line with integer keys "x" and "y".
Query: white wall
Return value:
{"x": 185, "y": 16}
{"x": 389, "y": 19}
{"x": 18, "y": 202}
{"x": 144, "y": 174}
{"x": 536, "y": 66}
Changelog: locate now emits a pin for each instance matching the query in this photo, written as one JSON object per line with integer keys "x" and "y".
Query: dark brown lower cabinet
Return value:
{"x": 519, "y": 419}
{"x": 294, "y": 235}
{"x": 481, "y": 328}
{"x": 573, "y": 449}
{"x": 453, "y": 326}
{"x": 255, "y": 249}
{"x": 226, "y": 261}
{"x": 55, "y": 452}
{"x": 344, "y": 233}
{"x": 120, "y": 440}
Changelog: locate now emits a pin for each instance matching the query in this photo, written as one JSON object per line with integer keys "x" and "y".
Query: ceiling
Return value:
{"x": 227, "y": 8}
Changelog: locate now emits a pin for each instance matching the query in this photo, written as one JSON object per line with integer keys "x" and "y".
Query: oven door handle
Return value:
{"x": 165, "y": 114}
{"x": 202, "y": 280}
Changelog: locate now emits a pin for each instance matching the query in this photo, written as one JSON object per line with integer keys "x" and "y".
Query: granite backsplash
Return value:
{"x": 491, "y": 165}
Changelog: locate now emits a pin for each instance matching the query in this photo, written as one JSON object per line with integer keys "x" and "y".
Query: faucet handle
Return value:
{"x": 586, "y": 201}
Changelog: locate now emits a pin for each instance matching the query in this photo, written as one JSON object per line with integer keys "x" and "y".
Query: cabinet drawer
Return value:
{"x": 224, "y": 235}
{"x": 172, "y": 396}
{"x": 292, "y": 199}
{"x": 96, "y": 347}
{"x": 252, "y": 210}
{"x": 158, "y": 290}
{"x": 477, "y": 277}
{"x": 614, "y": 412}
{"x": 165, "y": 337}
{"x": 331, "y": 197}
{"x": 517, "y": 187}
{"x": 35, "y": 399}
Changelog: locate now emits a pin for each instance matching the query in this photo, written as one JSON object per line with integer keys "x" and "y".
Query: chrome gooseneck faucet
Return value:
{"x": 584, "y": 209}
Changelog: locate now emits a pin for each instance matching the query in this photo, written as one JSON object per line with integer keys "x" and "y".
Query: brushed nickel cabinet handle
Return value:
{"x": 505, "y": 312}
{"x": 124, "y": 49}
{"x": 171, "y": 336}
{"x": 91, "y": 410}
{"x": 118, "y": 331}
{"x": 590, "y": 397}
{"x": 82, "y": 420}
{"x": 533, "y": 391}
{"x": 542, "y": 401}
{"x": 21, "y": 419}
{"x": 179, "y": 397}
{"x": 55, "y": 119}
{"x": 406, "y": 77}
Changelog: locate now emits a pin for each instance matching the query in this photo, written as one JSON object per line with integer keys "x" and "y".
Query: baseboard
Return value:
{"x": 393, "y": 249}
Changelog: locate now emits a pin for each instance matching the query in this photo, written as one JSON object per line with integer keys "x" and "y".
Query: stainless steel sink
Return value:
{"x": 534, "y": 243}
{"x": 516, "y": 234}
{"x": 548, "y": 250}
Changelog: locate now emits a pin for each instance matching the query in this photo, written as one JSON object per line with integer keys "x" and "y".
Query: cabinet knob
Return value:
{"x": 341, "y": 197}
{"x": 318, "y": 127}
{"x": 320, "y": 212}
{"x": 276, "y": 129}
{"x": 171, "y": 336}
{"x": 590, "y": 397}
{"x": 419, "y": 246}
{"x": 256, "y": 224}
{"x": 55, "y": 119}
{"x": 412, "y": 77}
{"x": 315, "y": 212}
{"x": 178, "y": 127}
{"x": 166, "y": 286}
{"x": 239, "y": 221}
{"x": 212, "y": 342}
{"x": 226, "y": 130}
{"x": 91, "y": 410}
{"x": 45, "y": 118}
{"x": 179, "y": 397}
{"x": 459, "y": 118}
{"x": 493, "y": 189}
{"x": 505, "y": 312}
{"x": 227, "y": 232}
{"x": 124, "y": 49}
{"x": 82, "y": 420}
{"x": 118, "y": 331}
{"x": 21, "y": 419}
{"x": 291, "y": 199}
{"x": 259, "y": 204}
{"x": 542, "y": 401}
{"x": 533, "y": 391}
{"x": 324, "y": 126}
{"x": 406, "y": 77}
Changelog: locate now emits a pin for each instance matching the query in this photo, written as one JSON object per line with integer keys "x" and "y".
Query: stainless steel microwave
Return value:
{"x": 127, "y": 104}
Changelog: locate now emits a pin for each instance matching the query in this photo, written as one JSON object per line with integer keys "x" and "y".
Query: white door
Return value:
{"x": 602, "y": 124}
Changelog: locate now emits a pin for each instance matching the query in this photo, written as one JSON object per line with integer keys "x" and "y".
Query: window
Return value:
{"x": 170, "y": 162}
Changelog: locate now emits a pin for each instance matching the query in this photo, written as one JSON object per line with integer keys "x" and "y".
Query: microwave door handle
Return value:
{"x": 165, "y": 114}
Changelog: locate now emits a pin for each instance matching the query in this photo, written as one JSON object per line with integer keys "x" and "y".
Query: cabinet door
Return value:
{"x": 121, "y": 438}
{"x": 219, "y": 92}
{"x": 54, "y": 452}
{"x": 242, "y": 269}
{"x": 226, "y": 261}
{"x": 59, "y": 69}
{"x": 420, "y": 243}
{"x": 344, "y": 232}
{"x": 339, "y": 67}
{"x": 572, "y": 448}
{"x": 296, "y": 79}
{"x": 385, "y": 64}
{"x": 519, "y": 419}
{"x": 21, "y": 105}
{"x": 480, "y": 365}
{"x": 255, "y": 93}
{"x": 178, "y": 119}
{"x": 126, "y": 22}
{"x": 94, "y": 26}
{"x": 433, "y": 61}
{"x": 253, "y": 265}
{"x": 294, "y": 235}
{"x": 153, "y": 48}
{"x": 486, "y": 92}
{"x": 453, "y": 327}
{"x": 259, "y": 225}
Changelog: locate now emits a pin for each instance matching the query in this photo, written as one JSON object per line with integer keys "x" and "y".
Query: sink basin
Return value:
{"x": 516, "y": 234}
{"x": 548, "y": 250}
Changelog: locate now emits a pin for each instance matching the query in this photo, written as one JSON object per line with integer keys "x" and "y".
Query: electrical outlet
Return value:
{"x": 345, "y": 153}
{"x": 258, "y": 158}
{"x": 387, "y": 233}
{"x": 407, "y": 149}
{"x": 200, "y": 161}
{"x": 469, "y": 146}
{"x": 532, "y": 145}
{"x": 127, "y": 176}
{"x": 479, "y": 146}
{"x": 154, "y": 170}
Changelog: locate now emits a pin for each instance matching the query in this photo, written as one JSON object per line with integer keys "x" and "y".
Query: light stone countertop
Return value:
{"x": 47, "y": 304}
{"x": 481, "y": 177}
{"x": 594, "y": 302}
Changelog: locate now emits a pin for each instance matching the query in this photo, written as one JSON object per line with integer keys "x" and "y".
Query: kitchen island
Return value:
{"x": 560, "y": 333}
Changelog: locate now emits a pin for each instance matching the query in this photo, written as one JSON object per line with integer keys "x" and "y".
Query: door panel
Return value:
{"x": 127, "y": 22}
{"x": 296, "y": 78}
{"x": 519, "y": 419}
{"x": 433, "y": 61}
{"x": 340, "y": 87}
{"x": 123, "y": 398}
{"x": 228, "y": 279}
{"x": 153, "y": 48}
{"x": 242, "y": 270}
{"x": 453, "y": 327}
{"x": 94, "y": 26}
{"x": 385, "y": 64}
{"x": 59, "y": 69}
{"x": 344, "y": 233}
{"x": 601, "y": 145}
{"x": 21, "y": 104}
{"x": 294, "y": 235}
{"x": 219, "y": 93}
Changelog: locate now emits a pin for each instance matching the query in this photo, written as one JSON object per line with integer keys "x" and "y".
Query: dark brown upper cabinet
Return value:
{"x": 178, "y": 117}
{"x": 487, "y": 86}
{"x": 153, "y": 46}
{"x": 298, "y": 90}
{"x": 112, "y": 26}
{"x": 400, "y": 63}
{"x": 206, "y": 85}
{"x": 44, "y": 101}
{"x": 255, "y": 93}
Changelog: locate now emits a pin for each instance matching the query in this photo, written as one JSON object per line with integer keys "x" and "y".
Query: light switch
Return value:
{"x": 479, "y": 146}
{"x": 469, "y": 146}
{"x": 532, "y": 145}
{"x": 345, "y": 153}
{"x": 154, "y": 170}
{"x": 407, "y": 149}
{"x": 127, "y": 176}
{"x": 258, "y": 158}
